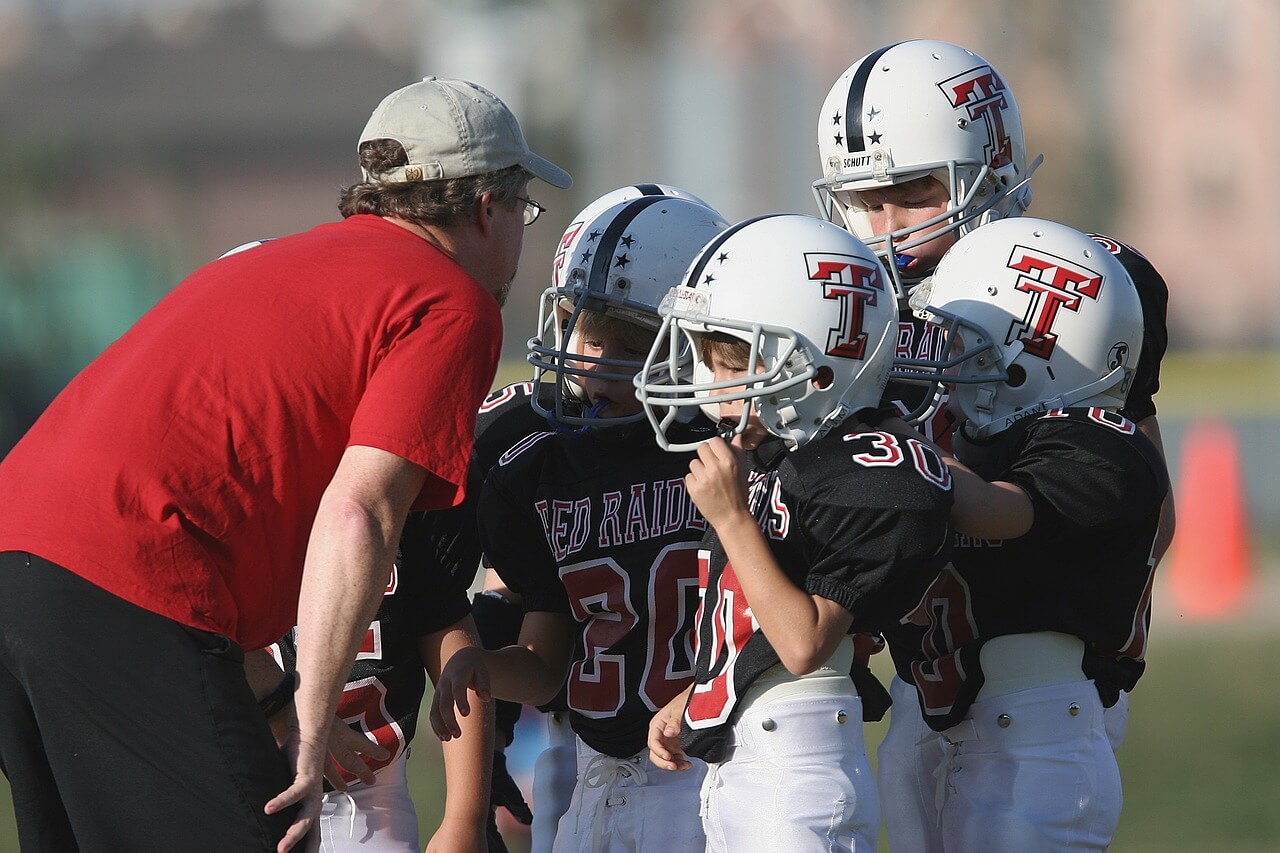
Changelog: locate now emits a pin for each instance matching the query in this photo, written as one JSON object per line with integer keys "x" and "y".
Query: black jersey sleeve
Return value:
{"x": 443, "y": 545}
{"x": 1086, "y": 471}
{"x": 446, "y": 542}
{"x": 513, "y": 539}
{"x": 872, "y": 556}
{"x": 1154, "y": 295}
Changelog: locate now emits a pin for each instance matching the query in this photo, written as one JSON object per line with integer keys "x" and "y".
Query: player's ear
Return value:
{"x": 824, "y": 377}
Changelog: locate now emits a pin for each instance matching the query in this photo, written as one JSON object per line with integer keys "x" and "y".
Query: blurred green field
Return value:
{"x": 1200, "y": 762}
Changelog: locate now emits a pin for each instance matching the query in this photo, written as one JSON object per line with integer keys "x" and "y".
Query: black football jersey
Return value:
{"x": 858, "y": 516}
{"x": 1154, "y": 295}
{"x": 1084, "y": 568}
{"x": 599, "y": 526}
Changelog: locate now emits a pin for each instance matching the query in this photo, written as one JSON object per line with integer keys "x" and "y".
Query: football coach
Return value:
{"x": 242, "y": 458}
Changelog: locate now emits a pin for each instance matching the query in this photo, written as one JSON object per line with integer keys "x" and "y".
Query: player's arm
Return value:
{"x": 530, "y": 672}
{"x": 664, "y": 734}
{"x": 983, "y": 510}
{"x": 467, "y": 759}
{"x": 349, "y": 557}
{"x": 803, "y": 629}
{"x": 1150, "y": 427}
{"x": 997, "y": 510}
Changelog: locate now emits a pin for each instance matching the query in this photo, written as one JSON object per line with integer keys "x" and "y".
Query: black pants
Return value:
{"x": 121, "y": 730}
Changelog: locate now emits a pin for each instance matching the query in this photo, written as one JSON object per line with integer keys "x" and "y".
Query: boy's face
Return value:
{"x": 724, "y": 367}
{"x": 620, "y": 396}
{"x": 907, "y": 205}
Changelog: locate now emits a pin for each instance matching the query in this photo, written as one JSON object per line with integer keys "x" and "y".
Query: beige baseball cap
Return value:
{"x": 453, "y": 129}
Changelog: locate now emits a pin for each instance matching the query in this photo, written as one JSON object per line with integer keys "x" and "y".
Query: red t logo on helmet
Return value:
{"x": 855, "y": 285}
{"x": 562, "y": 252}
{"x": 981, "y": 91}
{"x": 1054, "y": 284}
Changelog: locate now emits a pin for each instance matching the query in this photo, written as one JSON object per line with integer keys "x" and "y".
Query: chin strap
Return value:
{"x": 1065, "y": 401}
{"x": 1108, "y": 381}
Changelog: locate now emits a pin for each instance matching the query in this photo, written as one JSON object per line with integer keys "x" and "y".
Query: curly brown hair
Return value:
{"x": 440, "y": 203}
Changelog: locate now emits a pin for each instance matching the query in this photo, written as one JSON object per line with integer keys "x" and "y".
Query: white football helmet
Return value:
{"x": 619, "y": 256}
{"x": 1038, "y": 316}
{"x": 808, "y": 297}
{"x": 921, "y": 108}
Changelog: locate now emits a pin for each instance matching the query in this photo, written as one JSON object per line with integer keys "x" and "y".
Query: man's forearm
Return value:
{"x": 349, "y": 561}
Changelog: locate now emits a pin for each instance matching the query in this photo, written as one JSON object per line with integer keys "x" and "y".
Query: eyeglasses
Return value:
{"x": 532, "y": 210}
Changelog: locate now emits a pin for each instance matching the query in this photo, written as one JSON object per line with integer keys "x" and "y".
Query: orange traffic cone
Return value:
{"x": 1211, "y": 567}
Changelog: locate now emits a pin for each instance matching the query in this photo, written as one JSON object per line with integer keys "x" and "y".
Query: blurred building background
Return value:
{"x": 142, "y": 138}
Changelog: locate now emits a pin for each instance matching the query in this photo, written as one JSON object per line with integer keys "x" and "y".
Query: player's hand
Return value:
{"x": 664, "y": 736}
{"x": 306, "y": 756}
{"x": 464, "y": 676}
{"x": 504, "y": 792}
{"x": 717, "y": 481}
{"x": 351, "y": 751}
{"x": 456, "y": 835}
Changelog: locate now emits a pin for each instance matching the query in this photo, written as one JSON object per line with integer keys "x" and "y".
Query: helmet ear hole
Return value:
{"x": 1017, "y": 376}
{"x": 824, "y": 377}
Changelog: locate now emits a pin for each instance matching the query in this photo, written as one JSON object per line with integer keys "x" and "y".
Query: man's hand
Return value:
{"x": 717, "y": 482}
{"x": 664, "y": 735}
{"x": 306, "y": 757}
{"x": 351, "y": 751}
{"x": 465, "y": 672}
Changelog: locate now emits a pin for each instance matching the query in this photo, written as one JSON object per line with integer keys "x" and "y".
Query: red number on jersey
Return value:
{"x": 946, "y": 613}
{"x": 600, "y": 598}
{"x": 886, "y": 451}
{"x": 364, "y": 702}
{"x": 732, "y": 624}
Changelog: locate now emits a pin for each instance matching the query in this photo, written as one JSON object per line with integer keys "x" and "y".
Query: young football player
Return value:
{"x": 921, "y": 142}
{"x": 822, "y": 525}
{"x": 1045, "y": 609}
{"x": 497, "y": 610}
{"x": 590, "y": 524}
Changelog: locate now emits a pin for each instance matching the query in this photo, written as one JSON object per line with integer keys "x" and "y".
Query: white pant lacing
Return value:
{"x": 952, "y": 738}
{"x": 605, "y": 771}
{"x": 326, "y": 820}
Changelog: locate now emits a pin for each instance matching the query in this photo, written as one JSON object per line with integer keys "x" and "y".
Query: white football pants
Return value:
{"x": 798, "y": 778}
{"x": 629, "y": 804}
{"x": 554, "y": 775}
{"x": 377, "y": 818}
{"x": 1031, "y": 770}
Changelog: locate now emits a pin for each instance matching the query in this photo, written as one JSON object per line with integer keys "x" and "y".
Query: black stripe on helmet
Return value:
{"x": 650, "y": 189}
{"x": 609, "y": 240}
{"x": 853, "y": 106}
{"x": 709, "y": 251}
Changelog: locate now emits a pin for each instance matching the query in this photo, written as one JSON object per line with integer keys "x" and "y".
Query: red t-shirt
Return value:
{"x": 182, "y": 469}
